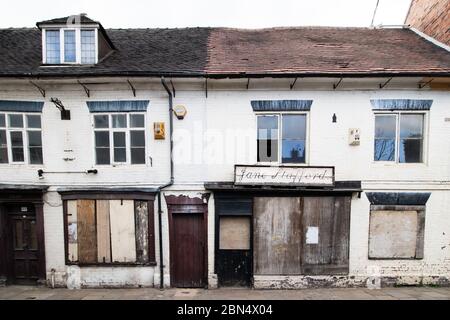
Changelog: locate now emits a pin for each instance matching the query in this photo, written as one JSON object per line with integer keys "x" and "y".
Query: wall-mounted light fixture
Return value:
{"x": 65, "y": 114}
{"x": 180, "y": 112}
{"x": 334, "y": 118}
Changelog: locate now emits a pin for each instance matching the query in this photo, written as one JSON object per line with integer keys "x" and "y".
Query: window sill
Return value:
{"x": 114, "y": 264}
{"x": 398, "y": 164}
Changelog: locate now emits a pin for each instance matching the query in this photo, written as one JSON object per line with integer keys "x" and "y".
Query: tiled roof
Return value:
{"x": 220, "y": 52}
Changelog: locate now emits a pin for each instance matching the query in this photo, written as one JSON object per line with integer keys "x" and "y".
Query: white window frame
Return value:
{"x": 127, "y": 130}
{"x": 61, "y": 30}
{"x": 24, "y": 130}
{"x": 279, "y": 161}
{"x": 397, "y": 114}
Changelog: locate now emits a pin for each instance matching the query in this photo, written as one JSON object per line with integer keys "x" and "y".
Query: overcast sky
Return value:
{"x": 201, "y": 13}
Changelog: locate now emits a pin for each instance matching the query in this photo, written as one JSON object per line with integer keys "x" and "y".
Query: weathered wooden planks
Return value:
{"x": 103, "y": 232}
{"x": 142, "y": 234}
{"x": 87, "y": 237}
{"x": 123, "y": 242}
{"x": 331, "y": 215}
{"x": 301, "y": 235}
{"x": 72, "y": 232}
{"x": 277, "y": 238}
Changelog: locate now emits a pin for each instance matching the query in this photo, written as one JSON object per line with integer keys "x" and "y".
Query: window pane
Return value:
{"x": 3, "y": 147}
{"x": 120, "y": 155}
{"x": 384, "y": 150}
{"x": 33, "y": 121}
{"x": 119, "y": 139}
{"x": 2, "y": 120}
{"x": 293, "y": 151}
{"x": 119, "y": 121}
{"x": 17, "y": 146}
{"x": 52, "y": 46}
{"x": 267, "y": 143}
{"x": 102, "y": 139}
{"x": 267, "y": 150}
{"x": 411, "y": 126}
{"x": 34, "y": 139}
{"x": 102, "y": 147}
{"x": 35, "y": 147}
{"x": 16, "y": 139}
{"x": 15, "y": 120}
{"x": 294, "y": 127}
{"x": 138, "y": 155}
{"x": 137, "y": 121}
{"x": 137, "y": 138}
{"x": 410, "y": 150}
{"x": 102, "y": 155}
{"x": 36, "y": 155}
{"x": 268, "y": 127}
{"x": 88, "y": 46}
{"x": 119, "y": 147}
{"x": 385, "y": 126}
{"x": 69, "y": 46}
{"x": 101, "y": 121}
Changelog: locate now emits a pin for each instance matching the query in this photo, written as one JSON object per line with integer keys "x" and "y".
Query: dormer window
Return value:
{"x": 70, "y": 46}
{"x": 73, "y": 40}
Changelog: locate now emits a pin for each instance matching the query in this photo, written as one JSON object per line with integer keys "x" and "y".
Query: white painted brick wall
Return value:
{"x": 230, "y": 110}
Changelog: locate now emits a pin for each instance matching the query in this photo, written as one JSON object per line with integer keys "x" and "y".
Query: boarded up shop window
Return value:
{"x": 234, "y": 233}
{"x": 396, "y": 232}
{"x": 109, "y": 231}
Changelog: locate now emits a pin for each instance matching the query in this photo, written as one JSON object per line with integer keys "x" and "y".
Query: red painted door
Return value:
{"x": 187, "y": 250}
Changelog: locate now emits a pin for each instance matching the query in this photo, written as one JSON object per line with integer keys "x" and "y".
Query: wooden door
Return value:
{"x": 24, "y": 245}
{"x": 187, "y": 250}
{"x": 277, "y": 235}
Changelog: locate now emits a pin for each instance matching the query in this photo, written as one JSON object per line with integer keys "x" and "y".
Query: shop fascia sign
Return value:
{"x": 284, "y": 175}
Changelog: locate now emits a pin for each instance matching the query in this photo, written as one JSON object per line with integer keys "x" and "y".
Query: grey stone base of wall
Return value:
{"x": 308, "y": 282}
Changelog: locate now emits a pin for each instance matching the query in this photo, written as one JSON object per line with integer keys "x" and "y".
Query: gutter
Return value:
{"x": 161, "y": 259}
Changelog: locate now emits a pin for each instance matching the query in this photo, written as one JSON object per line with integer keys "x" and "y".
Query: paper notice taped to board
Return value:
{"x": 312, "y": 235}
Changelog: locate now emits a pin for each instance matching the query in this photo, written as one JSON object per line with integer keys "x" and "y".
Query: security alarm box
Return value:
{"x": 353, "y": 137}
{"x": 159, "y": 131}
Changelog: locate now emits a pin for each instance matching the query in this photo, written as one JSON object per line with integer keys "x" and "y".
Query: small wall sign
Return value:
{"x": 284, "y": 175}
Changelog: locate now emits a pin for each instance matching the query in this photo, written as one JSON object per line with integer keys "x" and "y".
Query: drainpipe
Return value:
{"x": 161, "y": 260}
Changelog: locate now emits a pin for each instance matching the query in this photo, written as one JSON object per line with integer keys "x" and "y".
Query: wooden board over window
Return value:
{"x": 234, "y": 233}
{"x": 301, "y": 235}
{"x": 123, "y": 241}
{"x": 395, "y": 234}
{"x": 109, "y": 231}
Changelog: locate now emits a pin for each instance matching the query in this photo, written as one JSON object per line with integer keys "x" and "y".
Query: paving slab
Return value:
{"x": 401, "y": 293}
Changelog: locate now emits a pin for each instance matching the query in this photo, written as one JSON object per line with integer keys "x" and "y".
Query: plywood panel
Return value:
{"x": 123, "y": 241}
{"x": 234, "y": 233}
{"x": 393, "y": 234}
{"x": 72, "y": 230}
{"x": 142, "y": 231}
{"x": 103, "y": 232}
{"x": 87, "y": 237}
{"x": 277, "y": 235}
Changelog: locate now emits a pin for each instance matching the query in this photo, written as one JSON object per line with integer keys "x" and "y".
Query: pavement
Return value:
{"x": 397, "y": 293}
